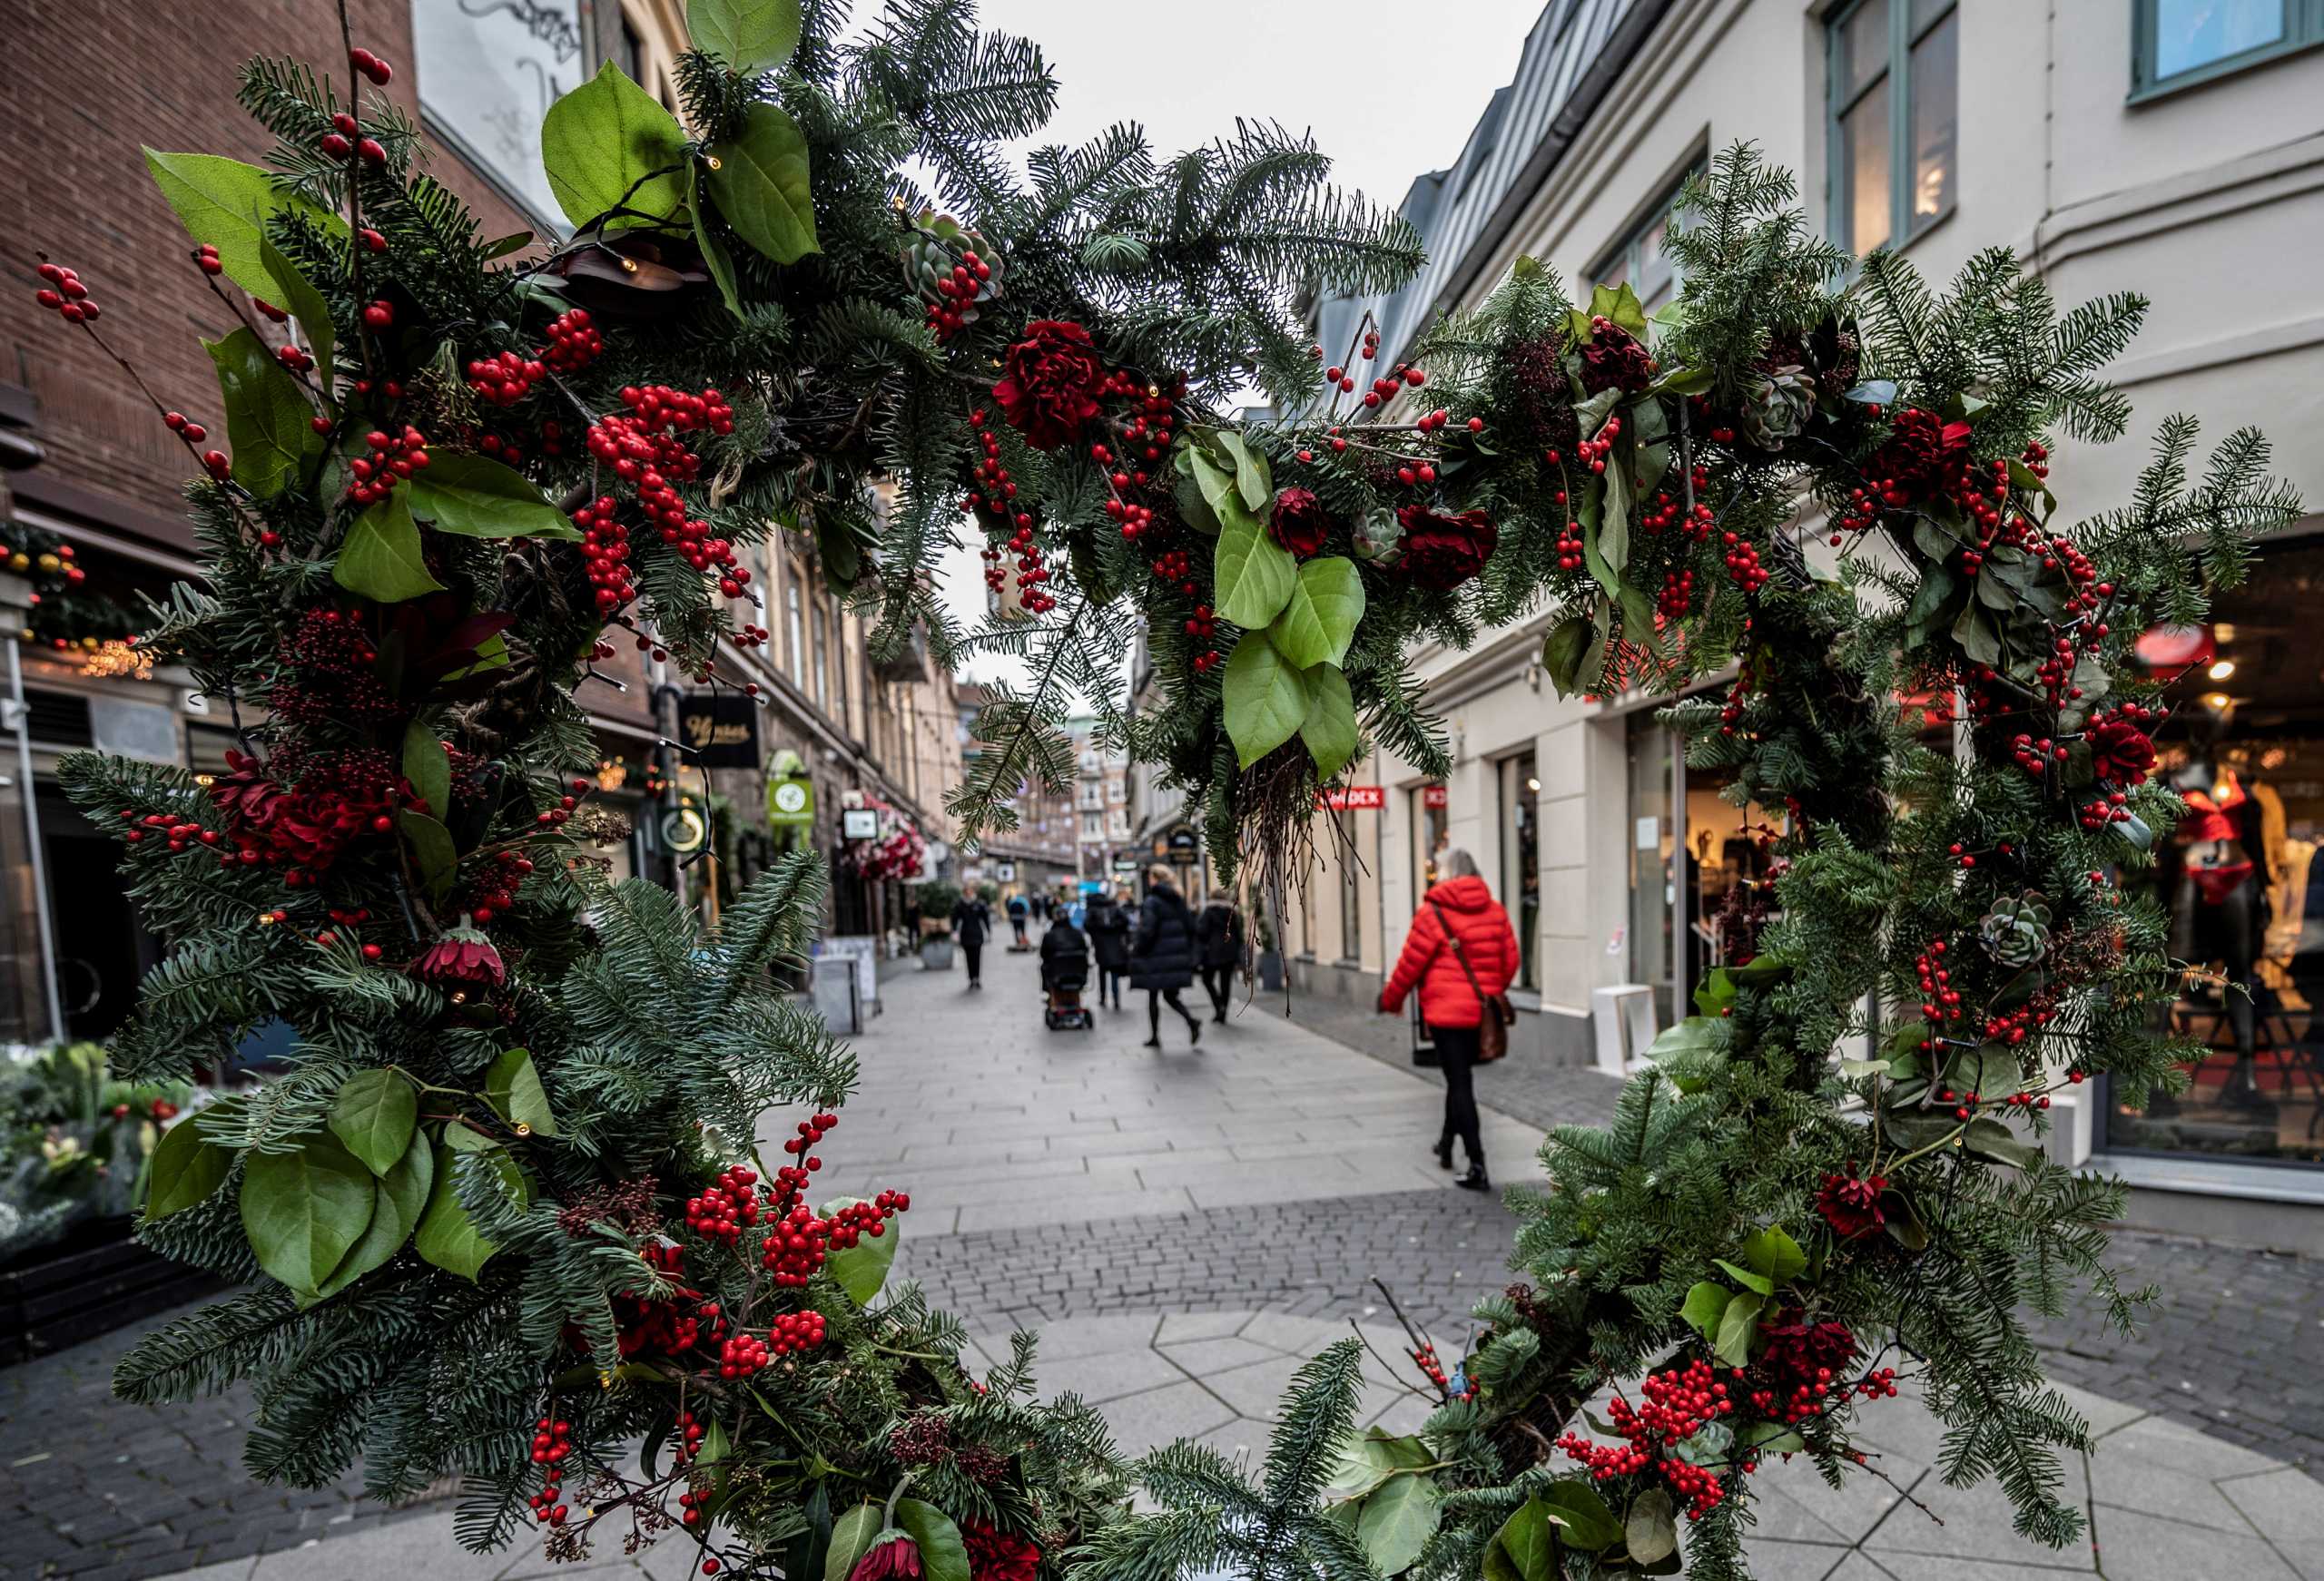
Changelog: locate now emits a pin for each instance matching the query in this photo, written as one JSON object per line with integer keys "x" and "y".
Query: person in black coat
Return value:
{"x": 1218, "y": 933}
{"x": 1108, "y": 925}
{"x": 1162, "y": 956}
{"x": 971, "y": 923}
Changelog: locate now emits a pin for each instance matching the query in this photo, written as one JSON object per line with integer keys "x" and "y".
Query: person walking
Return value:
{"x": 1462, "y": 955}
{"x": 1019, "y": 911}
{"x": 971, "y": 925}
{"x": 1108, "y": 927}
{"x": 1219, "y": 932}
{"x": 1162, "y": 956}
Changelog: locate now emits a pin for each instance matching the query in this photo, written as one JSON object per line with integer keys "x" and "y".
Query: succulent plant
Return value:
{"x": 1779, "y": 407}
{"x": 2016, "y": 931}
{"x": 933, "y": 248}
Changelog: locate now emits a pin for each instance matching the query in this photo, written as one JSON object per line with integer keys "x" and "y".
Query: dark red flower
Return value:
{"x": 1300, "y": 522}
{"x": 1441, "y": 551}
{"x": 1923, "y": 456}
{"x": 996, "y": 1555}
{"x": 1613, "y": 358}
{"x": 1851, "y": 1206}
{"x": 1051, "y": 385}
{"x": 896, "y": 1556}
{"x": 2121, "y": 752}
{"x": 462, "y": 956}
{"x": 1800, "y": 1352}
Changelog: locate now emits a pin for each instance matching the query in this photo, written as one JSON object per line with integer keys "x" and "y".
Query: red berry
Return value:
{"x": 333, "y": 146}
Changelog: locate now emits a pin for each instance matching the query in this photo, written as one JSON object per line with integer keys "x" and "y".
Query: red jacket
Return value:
{"x": 1490, "y": 943}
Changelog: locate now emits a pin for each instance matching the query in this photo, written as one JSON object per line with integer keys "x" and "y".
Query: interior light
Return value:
{"x": 2216, "y": 701}
{"x": 2221, "y": 669}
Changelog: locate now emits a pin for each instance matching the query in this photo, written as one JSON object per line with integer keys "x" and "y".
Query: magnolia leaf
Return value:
{"x": 1219, "y": 490}
{"x": 1561, "y": 652}
{"x": 428, "y": 767}
{"x": 1650, "y": 1531}
{"x": 1739, "y": 1326}
{"x": 759, "y": 181}
{"x": 432, "y": 852}
{"x": 862, "y": 1269}
{"x": 1254, "y": 574}
{"x": 185, "y": 1169}
{"x": 380, "y": 558}
{"x": 295, "y": 292}
{"x": 374, "y": 1116}
{"x": 1318, "y": 621}
{"x": 944, "y": 1556}
{"x": 226, "y": 203}
{"x": 512, "y": 1085}
{"x": 1774, "y": 1253}
{"x": 714, "y": 256}
{"x": 1397, "y": 1521}
{"x": 1525, "y": 1547}
{"x": 1694, "y": 1035}
{"x": 609, "y": 144}
{"x": 1267, "y": 698}
{"x": 477, "y": 497}
{"x": 301, "y": 1211}
{"x": 1329, "y": 730}
{"x": 745, "y": 36}
{"x": 1747, "y": 1278}
{"x": 1614, "y": 535}
{"x": 1252, "y": 480}
{"x": 447, "y": 1236}
{"x": 851, "y": 1537}
{"x": 269, "y": 423}
{"x": 1773, "y": 1438}
{"x": 1705, "y": 1304}
{"x": 401, "y": 1198}
{"x": 1590, "y": 1524}
{"x": 1989, "y": 1138}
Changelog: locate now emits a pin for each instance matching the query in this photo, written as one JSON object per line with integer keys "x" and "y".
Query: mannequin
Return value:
{"x": 2219, "y": 894}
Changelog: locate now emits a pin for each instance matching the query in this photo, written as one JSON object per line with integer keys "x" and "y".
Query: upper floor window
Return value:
{"x": 488, "y": 71}
{"x": 2174, "y": 42}
{"x": 1642, "y": 258}
{"x": 1895, "y": 98}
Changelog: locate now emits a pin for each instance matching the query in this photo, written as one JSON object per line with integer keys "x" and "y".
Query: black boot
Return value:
{"x": 1444, "y": 1151}
{"x": 1474, "y": 1180}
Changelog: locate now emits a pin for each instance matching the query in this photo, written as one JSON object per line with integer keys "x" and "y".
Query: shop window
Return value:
{"x": 1521, "y": 861}
{"x": 1432, "y": 829}
{"x": 1893, "y": 77}
{"x": 2177, "y": 43}
{"x": 1652, "y": 840}
{"x": 2239, "y": 877}
{"x": 1698, "y": 869}
{"x": 488, "y": 72}
{"x": 1350, "y": 865}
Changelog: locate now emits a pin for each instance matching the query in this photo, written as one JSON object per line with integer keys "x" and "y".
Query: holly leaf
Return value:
{"x": 428, "y": 767}
{"x": 745, "y": 36}
{"x": 477, "y": 497}
{"x": 1318, "y": 621}
{"x": 944, "y": 1556}
{"x": 1397, "y": 1520}
{"x": 296, "y": 293}
{"x": 1329, "y": 730}
{"x": 759, "y": 181}
{"x": 184, "y": 1170}
{"x": 512, "y": 1085}
{"x": 1266, "y": 697}
{"x": 380, "y": 558}
{"x": 1254, "y": 574}
{"x": 301, "y": 1211}
{"x": 1736, "y": 1328}
{"x": 269, "y": 422}
{"x": 714, "y": 256}
{"x": 1651, "y": 1531}
{"x": 1705, "y": 1304}
{"x": 401, "y": 1198}
{"x": 610, "y": 144}
{"x": 374, "y": 1116}
{"x": 1252, "y": 480}
{"x": 862, "y": 1269}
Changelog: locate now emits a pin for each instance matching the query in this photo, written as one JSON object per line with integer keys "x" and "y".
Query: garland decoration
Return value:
{"x": 511, "y": 1205}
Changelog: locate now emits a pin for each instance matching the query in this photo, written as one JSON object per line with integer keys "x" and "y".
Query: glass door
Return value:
{"x": 1521, "y": 862}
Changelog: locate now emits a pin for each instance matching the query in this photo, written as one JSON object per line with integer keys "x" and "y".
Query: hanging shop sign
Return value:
{"x": 860, "y": 824}
{"x": 1433, "y": 796}
{"x": 683, "y": 830}
{"x": 719, "y": 730}
{"x": 1008, "y": 872}
{"x": 1126, "y": 862}
{"x": 790, "y": 802}
{"x": 1353, "y": 797}
{"x": 1185, "y": 846}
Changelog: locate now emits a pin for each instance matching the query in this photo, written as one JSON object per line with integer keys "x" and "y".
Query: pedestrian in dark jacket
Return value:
{"x": 1219, "y": 932}
{"x": 971, "y": 925}
{"x": 1019, "y": 911}
{"x": 1162, "y": 956}
{"x": 1108, "y": 927}
{"x": 1458, "y": 920}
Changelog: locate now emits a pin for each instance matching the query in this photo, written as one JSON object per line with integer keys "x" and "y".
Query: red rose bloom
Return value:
{"x": 1923, "y": 456}
{"x": 1851, "y": 1206}
{"x": 1440, "y": 552}
{"x": 1300, "y": 522}
{"x": 464, "y": 957}
{"x": 896, "y": 1559}
{"x": 1050, "y": 390}
{"x": 996, "y": 1555}
{"x": 2122, "y": 752}
{"x": 1613, "y": 358}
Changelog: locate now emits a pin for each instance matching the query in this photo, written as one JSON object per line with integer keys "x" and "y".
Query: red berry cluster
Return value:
{"x": 1592, "y": 453}
{"x": 1679, "y": 1402}
{"x": 690, "y": 1433}
{"x": 795, "y": 1332}
{"x": 345, "y": 140}
{"x": 643, "y": 452}
{"x": 1569, "y": 547}
{"x": 179, "y": 831}
{"x": 1032, "y": 575}
{"x": 394, "y": 458}
{"x": 1203, "y": 626}
{"x": 293, "y": 357}
{"x": 1678, "y": 595}
{"x": 573, "y": 341}
{"x": 604, "y": 553}
{"x": 552, "y": 1442}
{"x": 725, "y": 1206}
{"x": 379, "y": 73}
{"x": 741, "y": 1355}
{"x": 1424, "y": 1358}
{"x": 2035, "y": 756}
{"x": 494, "y": 892}
{"x": 1940, "y": 1001}
{"x": 506, "y": 379}
{"x": 954, "y": 293}
{"x": 1743, "y": 566}
{"x": 67, "y": 297}
{"x": 178, "y": 423}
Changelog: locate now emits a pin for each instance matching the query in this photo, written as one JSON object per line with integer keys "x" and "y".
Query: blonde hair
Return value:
{"x": 1159, "y": 874}
{"x": 1456, "y": 863}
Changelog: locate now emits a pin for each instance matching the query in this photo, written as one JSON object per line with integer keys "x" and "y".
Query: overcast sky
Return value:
{"x": 1388, "y": 90}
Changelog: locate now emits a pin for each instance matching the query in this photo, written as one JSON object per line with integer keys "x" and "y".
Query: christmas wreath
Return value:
{"x": 507, "y": 1210}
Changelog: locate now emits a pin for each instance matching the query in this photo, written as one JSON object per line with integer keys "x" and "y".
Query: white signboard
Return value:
{"x": 863, "y": 949}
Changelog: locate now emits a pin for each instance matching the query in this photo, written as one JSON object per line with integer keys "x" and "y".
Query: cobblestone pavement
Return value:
{"x": 1059, "y": 1176}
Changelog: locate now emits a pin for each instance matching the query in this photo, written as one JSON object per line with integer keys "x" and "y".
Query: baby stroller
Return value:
{"x": 1065, "y": 973}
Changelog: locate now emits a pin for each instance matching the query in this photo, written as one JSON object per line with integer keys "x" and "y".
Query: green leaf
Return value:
{"x": 295, "y": 292}
{"x": 477, "y": 497}
{"x": 1694, "y": 1035}
{"x": 1705, "y": 1304}
{"x": 1619, "y": 303}
{"x": 1774, "y": 1253}
{"x": 1329, "y": 730}
{"x": 303, "y": 1209}
{"x": 607, "y": 136}
{"x": 226, "y": 203}
{"x": 1318, "y": 621}
{"x": 1989, "y": 1138}
{"x": 1219, "y": 490}
{"x": 513, "y": 1087}
{"x": 502, "y": 246}
{"x": 432, "y": 852}
{"x": 1717, "y": 992}
{"x": 1773, "y": 1438}
{"x": 1589, "y": 1525}
{"x": 1745, "y": 1277}
{"x": 1561, "y": 652}
{"x": 401, "y": 1198}
{"x": 1525, "y": 1547}
{"x": 185, "y": 1169}
{"x": 1397, "y": 1521}
{"x": 1266, "y": 697}
{"x": 428, "y": 767}
{"x": 1738, "y": 1327}
{"x": 1252, "y": 480}
{"x": 1254, "y": 574}
{"x": 1976, "y": 634}
{"x": 380, "y": 557}
{"x": 759, "y": 181}
{"x": 269, "y": 421}
{"x": 852, "y": 1539}
{"x": 944, "y": 1556}
{"x": 745, "y": 36}
{"x": 863, "y": 1269}
{"x": 1614, "y": 521}
{"x": 1650, "y": 1531}
{"x": 468, "y": 1139}
{"x": 447, "y": 1236}
{"x": 714, "y": 256}
{"x": 374, "y": 1114}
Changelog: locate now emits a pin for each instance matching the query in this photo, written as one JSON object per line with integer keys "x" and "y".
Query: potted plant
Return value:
{"x": 937, "y": 899}
{"x": 1270, "y": 959}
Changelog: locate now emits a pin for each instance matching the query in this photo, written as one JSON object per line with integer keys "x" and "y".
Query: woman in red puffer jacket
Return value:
{"x": 1448, "y": 1002}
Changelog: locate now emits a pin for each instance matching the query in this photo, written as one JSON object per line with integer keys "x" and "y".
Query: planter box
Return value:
{"x": 936, "y": 954}
{"x": 91, "y": 1282}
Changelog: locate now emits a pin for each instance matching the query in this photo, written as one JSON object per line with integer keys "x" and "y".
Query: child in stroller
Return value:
{"x": 1065, "y": 973}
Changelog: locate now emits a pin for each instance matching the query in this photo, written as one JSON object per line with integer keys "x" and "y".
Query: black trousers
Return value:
{"x": 1154, "y": 998}
{"x": 975, "y": 952}
{"x": 1218, "y": 983}
{"x": 1109, "y": 986}
{"x": 1456, "y": 1051}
